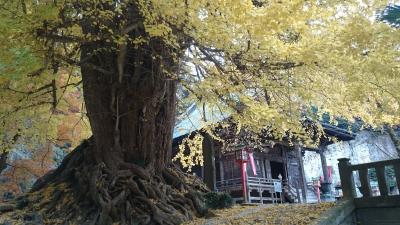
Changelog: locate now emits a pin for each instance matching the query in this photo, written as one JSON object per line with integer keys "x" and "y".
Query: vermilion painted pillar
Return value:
{"x": 242, "y": 158}
{"x": 244, "y": 184}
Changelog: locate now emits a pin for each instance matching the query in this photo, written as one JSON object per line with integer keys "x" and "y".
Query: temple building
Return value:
{"x": 270, "y": 173}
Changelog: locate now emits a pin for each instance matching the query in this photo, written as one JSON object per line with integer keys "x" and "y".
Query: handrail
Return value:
{"x": 251, "y": 181}
{"x": 374, "y": 164}
{"x": 227, "y": 180}
{"x": 264, "y": 179}
{"x": 259, "y": 184}
{"x": 229, "y": 183}
{"x": 346, "y": 176}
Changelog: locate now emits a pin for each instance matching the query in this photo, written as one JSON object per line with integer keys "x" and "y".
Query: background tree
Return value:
{"x": 263, "y": 63}
{"x": 40, "y": 139}
{"x": 391, "y": 16}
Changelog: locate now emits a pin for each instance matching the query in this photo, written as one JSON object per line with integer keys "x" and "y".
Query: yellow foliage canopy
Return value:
{"x": 264, "y": 63}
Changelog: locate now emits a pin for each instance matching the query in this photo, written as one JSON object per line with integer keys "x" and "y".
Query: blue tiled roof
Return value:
{"x": 193, "y": 120}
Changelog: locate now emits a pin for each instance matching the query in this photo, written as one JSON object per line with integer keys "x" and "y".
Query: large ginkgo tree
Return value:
{"x": 266, "y": 64}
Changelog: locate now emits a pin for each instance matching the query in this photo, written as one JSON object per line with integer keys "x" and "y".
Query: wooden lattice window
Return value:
{"x": 231, "y": 169}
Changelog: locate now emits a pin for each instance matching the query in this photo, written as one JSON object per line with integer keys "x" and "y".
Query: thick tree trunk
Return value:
{"x": 132, "y": 119}
{"x": 209, "y": 161}
{"x": 122, "y": 175}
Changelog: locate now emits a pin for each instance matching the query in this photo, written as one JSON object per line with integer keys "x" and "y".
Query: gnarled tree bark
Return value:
{"x": 132, "y": 118}
{"x": 123, "y": 174}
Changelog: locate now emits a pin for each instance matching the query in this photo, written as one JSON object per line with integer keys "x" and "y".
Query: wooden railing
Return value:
{"x": 229, "y": 184}
{"x": 348, "y": 185}
{"x": 259, "y": 185}
{"x": 261, "y": 182}
{"x": 236, "y": 183}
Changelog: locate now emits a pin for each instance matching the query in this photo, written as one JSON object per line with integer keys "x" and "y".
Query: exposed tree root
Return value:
{"x": 81, "y": 191}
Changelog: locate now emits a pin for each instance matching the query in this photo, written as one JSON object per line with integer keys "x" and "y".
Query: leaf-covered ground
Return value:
{"x": 281, "y": 214}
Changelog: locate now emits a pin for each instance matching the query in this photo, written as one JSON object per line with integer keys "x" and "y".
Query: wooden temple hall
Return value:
{"x": 273, "y": 174}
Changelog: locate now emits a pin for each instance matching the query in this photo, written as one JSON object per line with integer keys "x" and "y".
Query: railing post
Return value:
{"x": 380, "y": 174}
{"x": 365, "y": 183}
{"x": 397, "y": 174}
{"x": 346, "y": 178}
